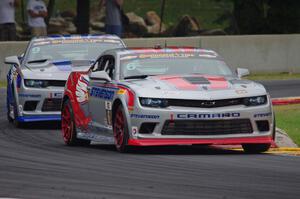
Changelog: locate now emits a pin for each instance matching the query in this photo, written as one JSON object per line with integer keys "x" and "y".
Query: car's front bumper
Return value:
{"x": 39, "y": 104}
{"x": 254, "y": 115}
{"x": 39, "y": 118}
{"x": 184, "y": 141}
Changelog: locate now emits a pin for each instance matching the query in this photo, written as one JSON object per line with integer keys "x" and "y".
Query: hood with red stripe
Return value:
{"x": 195, "y": 87}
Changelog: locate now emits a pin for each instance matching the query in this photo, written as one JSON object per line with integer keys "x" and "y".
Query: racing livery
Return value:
{"x": 172, "y": 96}
{"x": 36, "y": 80}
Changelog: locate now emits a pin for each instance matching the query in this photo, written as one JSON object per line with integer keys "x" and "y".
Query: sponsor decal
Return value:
{"x": 36, "y": 50}
{"x": 134, "y": 130}
{"x": 259, "y": 115}
{"x": 207, "y": 115}
{"x": 108, "y": 113}
{"x": 166, "y": 55}
{"x": 81, "y": 89}
{"x": 121, "y": 91}
{"x": 76, "y": 40}
{"x": 142, "y": 116}
{"x": 108, "y": 105}
{"x": 55, "y": 95}
{"x": 128, "y": 57}
{"x": 208, "y": 55}
{"x": 240, "y": 92}
{"x": 29, "y": 95}
{"x": 102, "y": 93}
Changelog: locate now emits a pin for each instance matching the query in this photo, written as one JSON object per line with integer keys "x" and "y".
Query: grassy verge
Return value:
{"x": 288, "y": 119}
{"x": 206, "y": 11}
{"x": 2, "y": 84}
{"x": 274, "y": 76}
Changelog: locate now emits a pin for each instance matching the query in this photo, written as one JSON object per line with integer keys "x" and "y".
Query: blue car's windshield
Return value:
{"x": 71, "y": 51}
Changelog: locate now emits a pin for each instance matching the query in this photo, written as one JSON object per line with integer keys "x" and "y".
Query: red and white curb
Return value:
{"x": 286, "y": 101}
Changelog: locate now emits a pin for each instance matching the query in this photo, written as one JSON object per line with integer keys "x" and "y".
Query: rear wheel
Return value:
{"x": 256, "y": 148}
{"x": 69, "y": 127}
{"x": 120, "y": 128}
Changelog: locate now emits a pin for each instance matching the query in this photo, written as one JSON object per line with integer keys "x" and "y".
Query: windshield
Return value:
{"x": 174, "y": 66}
{"x": 70, "y": 52}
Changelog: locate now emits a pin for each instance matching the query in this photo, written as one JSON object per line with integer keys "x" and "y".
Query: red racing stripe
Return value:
{"x": 217, "y": 82}
{"x": 179, "y": 82}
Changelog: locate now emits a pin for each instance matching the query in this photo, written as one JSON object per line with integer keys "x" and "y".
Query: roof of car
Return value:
{"x": 73, "y": 37}
{"x": 167, "y": 50}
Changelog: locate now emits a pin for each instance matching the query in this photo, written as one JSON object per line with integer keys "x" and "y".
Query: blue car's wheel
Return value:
{"x": 17, "y": 123}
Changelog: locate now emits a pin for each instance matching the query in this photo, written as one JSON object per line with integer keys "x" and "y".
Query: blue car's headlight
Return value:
{"x": 255, "y": 101}
{"x": 36, "y": 83}
{"x": 154, "y": 102}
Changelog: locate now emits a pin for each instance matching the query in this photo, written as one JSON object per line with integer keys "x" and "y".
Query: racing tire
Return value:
{"x": 274, "y": 129}
{"x": 255, "y": 148}
{"x": 10, "y": 120}
{"x": 120, "y": 130}
{"x": 68, "y": 127}
{"x": 17, "y": 123}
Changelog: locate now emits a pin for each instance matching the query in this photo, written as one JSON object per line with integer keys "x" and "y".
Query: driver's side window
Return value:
{"x": 105, "y": 63}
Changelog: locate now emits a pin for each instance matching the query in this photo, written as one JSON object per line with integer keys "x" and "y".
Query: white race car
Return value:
{"x": 36, "y": 81}
{"x": 172, "y": 96}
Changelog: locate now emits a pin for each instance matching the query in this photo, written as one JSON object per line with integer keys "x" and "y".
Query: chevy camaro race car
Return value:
{"x": 172, "y": 96}
{"x": 36, "y": 80}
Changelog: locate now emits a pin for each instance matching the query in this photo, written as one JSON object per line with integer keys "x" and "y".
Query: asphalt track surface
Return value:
{"x": 34, "y": 163}
{"x": 282, "y": 88}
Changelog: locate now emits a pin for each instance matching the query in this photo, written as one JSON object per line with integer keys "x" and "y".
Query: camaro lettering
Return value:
{"x": 102, "y": 93}
{"x": 207, "y": 115}
{"x": 144, "y": 116}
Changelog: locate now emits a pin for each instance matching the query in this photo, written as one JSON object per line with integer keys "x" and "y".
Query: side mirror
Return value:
{"x": 12, "y": 60}
{"x": 100, "y": 75}
{"x": 241, "y": 72}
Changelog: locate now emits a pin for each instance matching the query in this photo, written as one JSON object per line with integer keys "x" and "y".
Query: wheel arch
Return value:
{"x": 115, "y": 105}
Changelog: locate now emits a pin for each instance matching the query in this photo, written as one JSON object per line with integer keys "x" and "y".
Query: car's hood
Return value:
{"x": 204, "y": 87}
{"x": 56, "y": 70}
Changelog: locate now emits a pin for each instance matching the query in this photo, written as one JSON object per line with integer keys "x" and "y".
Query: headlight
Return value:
{"x": 154, "y": 102}
{"x": 36, "y": 83}
{"x": 255, "y": 101}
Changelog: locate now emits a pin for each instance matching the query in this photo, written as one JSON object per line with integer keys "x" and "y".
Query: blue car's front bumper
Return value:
{"x": 39, "y": 118}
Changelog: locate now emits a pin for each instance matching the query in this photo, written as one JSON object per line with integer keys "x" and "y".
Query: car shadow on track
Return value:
{"x": 173, "y": 150}
{"x": 52, "y": 125}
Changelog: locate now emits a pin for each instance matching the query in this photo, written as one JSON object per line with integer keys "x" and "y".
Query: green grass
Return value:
{"x": 273, "y": 76}
{"x": 288, "y": 119}
{"x": 206, "y": 11}
{"x": 2, "y": 84}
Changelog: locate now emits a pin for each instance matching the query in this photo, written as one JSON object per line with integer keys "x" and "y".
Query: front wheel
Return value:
{"x": 69, "y": 127}
{"x": 120, "y": 128}
{"x": 255, "y": 148}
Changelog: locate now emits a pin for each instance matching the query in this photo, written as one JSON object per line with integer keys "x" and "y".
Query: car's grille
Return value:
{"x": 205, "y": 103}
{"x": 207, "y": 127}
{"x": 58, "y": 83}
{"x": 51, "y": 104}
